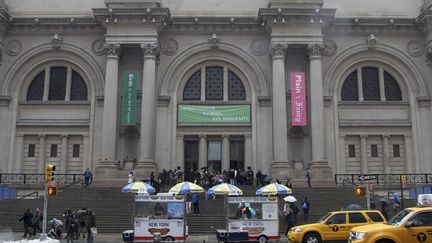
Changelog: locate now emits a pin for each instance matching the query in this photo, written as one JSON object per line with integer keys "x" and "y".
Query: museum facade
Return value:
{"x": 272, "y": 85}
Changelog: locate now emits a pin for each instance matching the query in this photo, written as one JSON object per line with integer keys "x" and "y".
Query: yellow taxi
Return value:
{"x": 334, "y": 226}
{"x": 408, "y": 226}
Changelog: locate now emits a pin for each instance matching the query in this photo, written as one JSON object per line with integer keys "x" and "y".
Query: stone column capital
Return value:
{"x": 42, "y": 135}
{"x": 226, "y": 136}
{"x": 363, "y": 136}
{"x": 278, "y": 50}
{"x": 150, "y": 49}
{"x": 63, "y": 136}
{"x": 315, "y": 51}
{"x": 113, "y": 50}
{"x": 202, "y": 136}
{"x": 386, "y": 136}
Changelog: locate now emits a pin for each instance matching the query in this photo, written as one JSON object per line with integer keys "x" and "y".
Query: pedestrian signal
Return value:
{"x": 360, "y": 191}
{"x": 49, "y": 172}
{"x": 52, "y": 191}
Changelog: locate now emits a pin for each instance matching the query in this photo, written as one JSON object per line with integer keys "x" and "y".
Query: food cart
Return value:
{"x": 256, "y": 218}
{"x": 158, "y": 218}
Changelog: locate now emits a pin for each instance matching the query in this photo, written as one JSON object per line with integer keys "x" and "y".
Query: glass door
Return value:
{"x": 237, "y": 154}
{"x": 191, "y": 151}
{"x": 214, "y": 156}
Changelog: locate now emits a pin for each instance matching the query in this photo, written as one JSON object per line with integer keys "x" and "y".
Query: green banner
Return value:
{"x": 129, "y": 97}
{"x": 214, "y": 113}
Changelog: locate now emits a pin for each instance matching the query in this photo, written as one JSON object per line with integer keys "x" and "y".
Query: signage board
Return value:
{"x": 298, "y": 99}
{"x": 367, "y": 177}
{"x": 129, "y": 97}
{"x": 214, "y": 114}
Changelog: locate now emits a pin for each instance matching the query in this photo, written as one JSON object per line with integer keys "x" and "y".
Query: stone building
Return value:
{"x": 113, "y": 85}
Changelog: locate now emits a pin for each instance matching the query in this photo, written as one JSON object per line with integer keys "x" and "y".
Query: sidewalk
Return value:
{"x": 117, "y": 238}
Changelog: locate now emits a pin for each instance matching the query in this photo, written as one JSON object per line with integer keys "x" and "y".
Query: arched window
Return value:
{"x": 372, "y": 79}
{"x": 192, "y": 90}
{"x": 215, "y": 79}
{"x": 64, "y": 84}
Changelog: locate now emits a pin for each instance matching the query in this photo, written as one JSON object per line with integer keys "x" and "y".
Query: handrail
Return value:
{"x": 384, "y": 179}
{"x": 73, "y": 183}
{"x": 28, "y": 195}
{"x": 33, "y": 179}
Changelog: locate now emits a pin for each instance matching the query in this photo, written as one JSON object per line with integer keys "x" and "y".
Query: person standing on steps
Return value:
{"x": 88, "y": 177}
{"x": 90, "y": 222}
{"x": 195, "y": 202}
{"x": 305, "y": 207}
{"x": 309, "y": 177}
{"x": 27, "y": 220}
{"x": 37, "y": 217}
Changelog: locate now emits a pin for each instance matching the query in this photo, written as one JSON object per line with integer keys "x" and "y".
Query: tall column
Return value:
{"x": 202, "y": 156}
{"x": 86, "y": 151}
{"x": 410, "y": 165}
{"x": 248, "y": 153}
{"x": 42, "y": 149}
{"x": 109, "y": 122}
{"x": 386, "y": 154}
{"x": 319, "y": 167}
{"x": 225, "y": 152}
{"x": 341, "y": 165}
{"x": 46, "y": 83}
{"x": 19, "y": 146}
{"x": 381, "y": 84}
{"x": 146, "y": 163}
{"x": 363, "y": 154}
{"x": 179, "y": 152}
{"x": 64, "y": 152}
{"x": 280, "y": 165}
{"x": 360, "y": 84}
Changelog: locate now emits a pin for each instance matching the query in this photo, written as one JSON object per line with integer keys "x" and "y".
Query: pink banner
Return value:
{"x": 298, "y": 99}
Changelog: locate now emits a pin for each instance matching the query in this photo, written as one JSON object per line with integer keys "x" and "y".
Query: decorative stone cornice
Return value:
{"x": 372, "y": 25}
{"x": 54, "y": 24}
{"x": 286, "y": 16}
{"x": 150, "y": 49}
{"x": 265, "y": 101}
{"x": 424, "y": 101}
{"x": 5, "y": 19}
{"x": 278, "y": 50}
{"x": 5, "y": 100}
{"x": 204, "y": 24}
{"x": 315, "y": 50}
{"x": 160, "y": 17}
{"x": 113, "y": 50}
{"x": 424, "y": 21}
{"x": 163, "y": 101}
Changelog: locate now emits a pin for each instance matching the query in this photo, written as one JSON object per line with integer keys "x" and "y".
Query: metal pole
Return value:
{"x": 401, "y": 190}
{"x": 43, "y": 235}
{"x": 367, "y": 196}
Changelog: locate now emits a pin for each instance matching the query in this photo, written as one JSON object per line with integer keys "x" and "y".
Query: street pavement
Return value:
{"x": 111, "y": 238}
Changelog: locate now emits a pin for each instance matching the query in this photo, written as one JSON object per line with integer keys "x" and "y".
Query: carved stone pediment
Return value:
{"x": 133, "y": 3}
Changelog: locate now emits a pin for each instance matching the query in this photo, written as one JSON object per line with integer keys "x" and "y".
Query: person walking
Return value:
{"x": 27, "y": 220}
{"x": 90, "y": 222}
{"x": 37, "y": 216}
{"x": 195, "y": 202}
{"x": 384, "y": 209}
{"x": 288, "y": 212}
{"x": 82, "y": 216}
{"x": 305, "y": 207}
{"x": 88, "y": 177}
{"x": 309, "y": 177}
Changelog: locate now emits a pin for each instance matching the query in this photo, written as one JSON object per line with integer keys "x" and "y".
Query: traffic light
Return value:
{"x": 360, "y": 191}
{"x": 49, "y": 172}
{"x": 52, "y": 191}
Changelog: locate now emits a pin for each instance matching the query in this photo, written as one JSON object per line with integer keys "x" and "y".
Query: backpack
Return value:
{"x": 304, "y": 205}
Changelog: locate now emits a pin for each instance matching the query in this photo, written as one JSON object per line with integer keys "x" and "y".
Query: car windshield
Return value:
{"x": 401, "y": 217}
{"x": 323, "y": 218}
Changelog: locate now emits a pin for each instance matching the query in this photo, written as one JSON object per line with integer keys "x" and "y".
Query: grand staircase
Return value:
{"x": 114, "y": 209}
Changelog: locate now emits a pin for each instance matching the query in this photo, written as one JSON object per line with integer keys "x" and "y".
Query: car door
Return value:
{"x": 419, "y": 228}
{"x": 355, "y": 219}
{"x": 336, "y": 227}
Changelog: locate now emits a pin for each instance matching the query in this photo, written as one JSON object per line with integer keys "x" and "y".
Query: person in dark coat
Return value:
{"x": 195, "y": 203}
{"x": 384, "y": 209}
{"x": 90, "y": 222}
{"x": 27, "y": 220}
{"x": 37, "y": 216}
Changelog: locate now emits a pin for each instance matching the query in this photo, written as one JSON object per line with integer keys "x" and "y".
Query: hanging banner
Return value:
{"x": 129, "y": 97}
{"x": 298, "y": 99}
{"x": 214, "y": 113}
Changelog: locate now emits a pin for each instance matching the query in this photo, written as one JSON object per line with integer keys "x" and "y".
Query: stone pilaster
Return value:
{"x": 319, "y": 167}
{"x": 19, "y": 146}
{"x": 386, "y": 154}
{"x": 280, "y": 165}
{"x": 363, "y": 154}
{"x": 42, "y": 149}
{"x": 146, "y": 162}
{"x": 225, "y": 152}
{"x": 107, "y": 165}
{"x": 64, "y": 153}
{"x": 202, "y": 156}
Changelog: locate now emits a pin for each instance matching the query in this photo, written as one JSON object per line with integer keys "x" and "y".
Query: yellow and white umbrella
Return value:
{"x": 186, "y": 187}
{"x": 225, "y": 189}
{"x": 273, "y": 189}
{"x": 138, "y": 187}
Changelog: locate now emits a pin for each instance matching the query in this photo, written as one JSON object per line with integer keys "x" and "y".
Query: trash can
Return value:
{"x": 128, "y": 236}
{"x": 157, "y": 237}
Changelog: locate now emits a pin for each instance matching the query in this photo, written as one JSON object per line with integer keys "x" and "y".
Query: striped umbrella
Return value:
{"x": 226, "y": 189}
{"x": 186, "y": 187}
{"x": 138, "y": 187}
{"x": 273, "y": 189}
